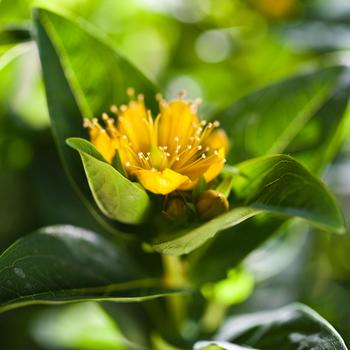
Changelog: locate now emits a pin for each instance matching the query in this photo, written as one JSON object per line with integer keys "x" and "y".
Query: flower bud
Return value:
{"x": 175, "y": 208}
{"x": 211, "y": 204}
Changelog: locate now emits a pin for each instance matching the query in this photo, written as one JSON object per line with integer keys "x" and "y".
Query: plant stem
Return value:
{"x": 174, "y": 277}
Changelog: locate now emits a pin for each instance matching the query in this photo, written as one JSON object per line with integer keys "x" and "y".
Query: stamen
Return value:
{"x": 203, "y": 122}
{"x": 203, "y": 155}
{"x": 130, "y": 92}
{"x": 87, "y": 123}
{"x": 159, "y": 97}
{"x": 216, "y": 124}
{"x": 199, "y": 147}
{"x": 114, "y": 109}
{"x": 176, "y": 138}
{"x": 127, "y": 164}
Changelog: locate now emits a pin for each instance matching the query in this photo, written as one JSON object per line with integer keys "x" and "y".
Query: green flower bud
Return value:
{"x": 211, "y": 204}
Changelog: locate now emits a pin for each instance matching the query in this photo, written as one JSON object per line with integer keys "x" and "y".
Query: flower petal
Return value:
{"x": 177, "y": 123}
{"x": 103, "y": 142}
{"x": 134, "y": 123}
{"x": 161, "y": 182}
{"x": 217, "y": 140}
{"x": 215, "y": 169}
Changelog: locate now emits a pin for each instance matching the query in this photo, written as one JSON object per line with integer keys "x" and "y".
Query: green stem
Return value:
{"x": 174, "y": 277}
{"x": 213, "y": 316}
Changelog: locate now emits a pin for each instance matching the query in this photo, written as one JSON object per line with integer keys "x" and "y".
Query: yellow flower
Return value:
{"x": 165, "y": 154}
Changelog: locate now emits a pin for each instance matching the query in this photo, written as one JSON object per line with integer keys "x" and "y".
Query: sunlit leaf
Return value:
{"x": 81, "y": 81}
{"x": 301, "y": 116}
{"x": 116, "y": 196}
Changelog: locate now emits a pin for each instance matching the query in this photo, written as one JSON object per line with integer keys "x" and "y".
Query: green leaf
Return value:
{"x": 314, "y": 145}
{"x": 81, "y": 81}
{"x": 302, "y": 116}
{"x": 116, "y": 196}
{"x": 62, "y": 264}
{"x": 282, "y": 185}
{"x": 230, "y": 247}
{"x": 275, "y": 184}
{"x": 185, "y": 241}
{"x": 292, "y": 327}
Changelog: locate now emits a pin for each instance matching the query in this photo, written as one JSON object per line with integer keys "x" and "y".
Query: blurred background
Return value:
{"x": 218, "y": 50}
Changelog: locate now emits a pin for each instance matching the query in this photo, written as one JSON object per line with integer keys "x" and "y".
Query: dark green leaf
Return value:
{"x": 280, "y": 184}
{"x": 187, "y": 240}
{"x": 276, "y": 184}
{"x": 116, "y": 196}
{"x": 61, "y": 264}
{"x": 314, "y": 145}
{"x": 293, "y": 327}
{"x": 304, "y": 112}
{"x": 81, "y": 81}
{"x": 230, "y": 247}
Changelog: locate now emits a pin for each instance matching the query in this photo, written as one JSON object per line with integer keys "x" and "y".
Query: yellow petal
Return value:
{"x": 161, "y": 182}
{"x": 215, "y": 169}
{"x": 217, "y": 140}
{"x": 134, "y": 123}
{"x": 103, "y": 142}
{"x": 177, "y": 123}
{"x": 209, "y": 168}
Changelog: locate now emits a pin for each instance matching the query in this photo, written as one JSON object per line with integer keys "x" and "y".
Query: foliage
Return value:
{"x": 283, "y": 134}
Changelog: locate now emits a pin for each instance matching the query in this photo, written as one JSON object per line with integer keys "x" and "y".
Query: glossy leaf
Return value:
{"x": 280, "y": 184}
{"x": 305, "y": 111}
{"x": 275, "y": 184}
{"x": 61, "y": 264}
{"x": 187, "y": 240}
{"x": 314, "y": 145}
{"x": 231, "y": 246}
{"x": 116, "y": 196}
{"x": 81, "y": 81}
{"x": 292, "y": 327}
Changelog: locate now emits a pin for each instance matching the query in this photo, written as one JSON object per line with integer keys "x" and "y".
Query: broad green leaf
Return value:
{"x": 292, "y": 327}
{"x": 81, "y": 81}
{"x": 62, "y": 264}
{"x": 280, "y": 184}
{"x": 116, "y": 196}
{"x": 314, "y": 145}
{"x": 230, "y": 247}
{"x": 185, "y": 241}
{"x": 275, "y": 184}
{"x": 303, "y": 114}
